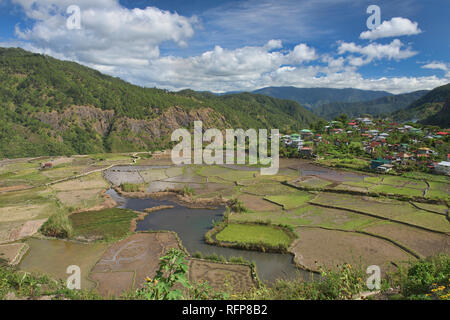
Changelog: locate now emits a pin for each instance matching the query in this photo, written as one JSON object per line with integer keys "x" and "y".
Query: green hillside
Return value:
{"x": 442, "y": 118}
{"x": 52, "y": 107}
{"x": 380, "y": 106}
{"x": 425, "y": 107}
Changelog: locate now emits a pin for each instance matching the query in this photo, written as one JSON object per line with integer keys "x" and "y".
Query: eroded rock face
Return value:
{"x": 98, "y": 119}
{"x": 136, "y": 131}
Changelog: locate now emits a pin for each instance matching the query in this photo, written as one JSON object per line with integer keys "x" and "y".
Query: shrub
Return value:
{"x": 172, "y": 272}
{"x": 212, "y": 257}
{"x": 58, "y": 226}
{"x": 424, "y": 277}
{"x": 237, "y": 260}
{"x": 340, "y": 284}
{"x": 237, "y": 206}
{"x": 187, "y": 191}
{"x": 31, "y": 285}
{"x": 131, "y": 187}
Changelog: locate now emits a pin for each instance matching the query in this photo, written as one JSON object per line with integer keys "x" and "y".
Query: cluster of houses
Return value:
{"x": 297, "y": 140}
{"x": 374, "y": 136}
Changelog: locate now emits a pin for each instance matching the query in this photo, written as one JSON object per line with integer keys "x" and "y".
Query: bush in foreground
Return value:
{"x": 426, "y": 279}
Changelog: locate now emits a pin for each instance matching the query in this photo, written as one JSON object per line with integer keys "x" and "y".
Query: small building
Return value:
{"x": 306, "y": 133}
{"x": 297, "y": 143}
{"x": 378, "y": 162}
{"x": 47, "y": 165}
{"x": 384, "y": 168}
{"x": 336, "y": 131}
{"x": 425, "y": 151}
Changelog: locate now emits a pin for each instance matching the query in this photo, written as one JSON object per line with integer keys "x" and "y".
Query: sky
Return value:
{"x": 231, "y": 45}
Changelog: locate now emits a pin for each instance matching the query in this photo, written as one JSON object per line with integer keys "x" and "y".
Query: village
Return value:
{"x": 379, "y": 145}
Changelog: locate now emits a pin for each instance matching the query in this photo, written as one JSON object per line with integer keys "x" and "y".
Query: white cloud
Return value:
{"x": 436, "y": 65}
{"x": 125, "y": 43}
{"x": 223, "y": 70}
{"x": 110, "y": 34}
{"x": 302, "y": 53}
{"x": 250, "y": 68}
{"x": 395, "y": 27}
{"x": 375, "y": 51}
{"x": 439, "y": 66}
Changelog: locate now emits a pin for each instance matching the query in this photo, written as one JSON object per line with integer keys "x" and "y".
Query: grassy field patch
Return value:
{"x": 104, "y": 224}
{"x": 247, "y": 233}
{"x": 386, "y": 208}
{"x": 291, "y": 200}
{"x": 388, "y": 189}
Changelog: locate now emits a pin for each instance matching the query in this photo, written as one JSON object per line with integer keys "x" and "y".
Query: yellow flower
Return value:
{"x": 433, "y": 290}
{"x": 148, "y": 279}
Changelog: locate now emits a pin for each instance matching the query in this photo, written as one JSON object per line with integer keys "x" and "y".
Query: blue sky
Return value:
{"x": 221, "y": 45}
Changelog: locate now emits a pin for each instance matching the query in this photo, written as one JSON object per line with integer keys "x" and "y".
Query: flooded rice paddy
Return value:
{"x": 191, "y": 226}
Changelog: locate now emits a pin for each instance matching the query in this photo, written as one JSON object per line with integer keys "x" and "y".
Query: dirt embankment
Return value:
{"x": 157, "y": 208}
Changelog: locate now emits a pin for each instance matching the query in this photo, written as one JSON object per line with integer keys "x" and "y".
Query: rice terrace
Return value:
{"x": 234, "y": 157}
{"x": 115, "y": 219}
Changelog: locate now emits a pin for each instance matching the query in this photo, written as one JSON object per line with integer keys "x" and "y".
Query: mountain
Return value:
{"x": 426, "y": 107}
{"x": 441, "y": 118}
{"x": 384, "y": 105}
{"x": 313, "y": 97}
{"x": 53, "y": 107}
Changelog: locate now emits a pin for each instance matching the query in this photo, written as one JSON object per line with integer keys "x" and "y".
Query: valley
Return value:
{"x": 108, "y": 233}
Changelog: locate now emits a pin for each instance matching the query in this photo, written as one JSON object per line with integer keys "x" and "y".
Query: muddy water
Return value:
{"x": 52, "y": 257}
{"x": 191, "y": 226}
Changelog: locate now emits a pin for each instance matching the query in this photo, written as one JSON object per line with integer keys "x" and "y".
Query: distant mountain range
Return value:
{"x": 54, "y": 107}
{"x": 380, "y": 106}
{"x": 314, "y": 97}
{"x": 423, "y": 106}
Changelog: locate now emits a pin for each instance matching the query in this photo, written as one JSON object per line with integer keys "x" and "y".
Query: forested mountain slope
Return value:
{"x": 51, "y": 107}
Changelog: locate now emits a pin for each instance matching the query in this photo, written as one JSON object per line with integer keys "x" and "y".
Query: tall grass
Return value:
{"x": 58, "y": 226}
{"x": 131, "y": 187}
